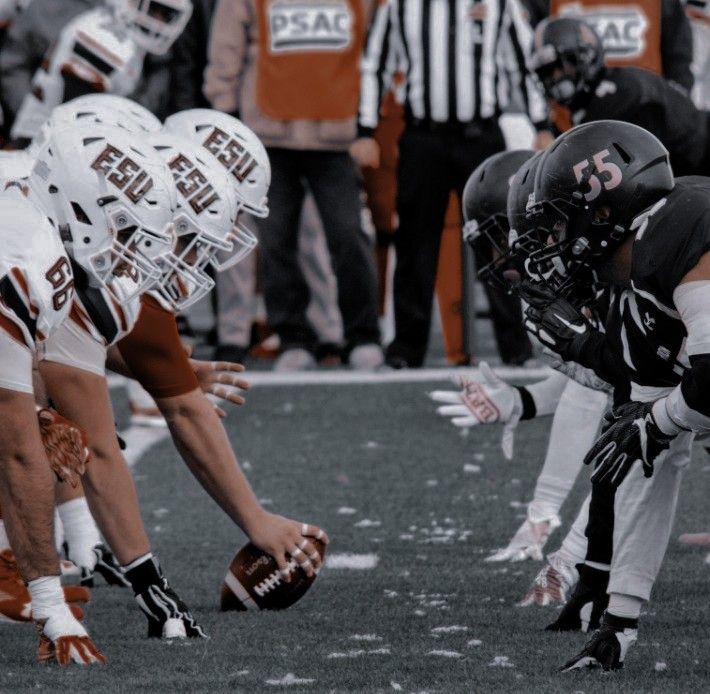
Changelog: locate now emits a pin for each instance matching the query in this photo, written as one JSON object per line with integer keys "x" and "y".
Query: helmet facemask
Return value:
{"x": 490, "y": 243}
{"x": 154, "y": 24}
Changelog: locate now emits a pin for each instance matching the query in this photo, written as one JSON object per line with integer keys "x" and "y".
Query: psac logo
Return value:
{"x": 123, "y": 172}
{"x": 302, "y": 26}
{"x": 621, "y": 29}
{"x": 192, "y": 184}
{"x": 230, "y": 153}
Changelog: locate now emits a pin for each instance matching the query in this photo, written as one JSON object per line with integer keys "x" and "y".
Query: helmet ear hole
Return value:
{"x": 79, "y": 213}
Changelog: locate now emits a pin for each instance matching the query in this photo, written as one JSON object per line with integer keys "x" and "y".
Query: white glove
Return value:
{"x": 529, "y": 540}
{"x": 488, "y": 401}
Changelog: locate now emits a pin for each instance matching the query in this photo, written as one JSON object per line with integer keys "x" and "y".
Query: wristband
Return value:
{"x": 529, "y": 408}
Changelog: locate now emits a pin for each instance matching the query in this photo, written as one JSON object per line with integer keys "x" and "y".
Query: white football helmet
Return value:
{"x": 204, "y": 222}
{"x": 154, "y": 24}
{"x": 112, "y": 199}
{"x": 235, "y": 146}
{"x": 108, "y": 109}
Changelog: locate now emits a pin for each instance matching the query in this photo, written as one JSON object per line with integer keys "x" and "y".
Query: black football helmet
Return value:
{"x": 592, "y": 184}
{"x": 484, "y": 203}
{"x": 568, "y": 57}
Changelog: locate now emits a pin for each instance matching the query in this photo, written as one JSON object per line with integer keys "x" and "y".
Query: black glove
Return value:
{"x": 630, "y": 433}
{"x": 160, "y": 602}
{"x": 559, "y": 326}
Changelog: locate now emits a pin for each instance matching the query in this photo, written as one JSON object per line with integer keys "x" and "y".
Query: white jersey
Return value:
{"x": 36, "y": 280}
{"x": 14, "y": 164}
{"x": 93, "y": 48}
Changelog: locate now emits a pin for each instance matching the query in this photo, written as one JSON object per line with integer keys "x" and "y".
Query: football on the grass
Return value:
{"x": 253, "y": 581}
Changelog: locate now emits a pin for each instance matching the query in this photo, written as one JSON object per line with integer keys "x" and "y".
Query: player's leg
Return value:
{"x": 644, "y": 513}
{"x": 83, "y": 397}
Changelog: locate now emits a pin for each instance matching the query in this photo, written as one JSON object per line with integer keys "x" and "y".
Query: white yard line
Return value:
{"x": 139, "y": 440}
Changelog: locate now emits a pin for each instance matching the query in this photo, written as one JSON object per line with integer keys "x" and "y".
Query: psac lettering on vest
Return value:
{"x": 309, "y": 27}
{"x": 192, "y": 184}
{"x": 123, "y": 172}
{"x": 622, "y": 30}
{"x": 230, "y": 153}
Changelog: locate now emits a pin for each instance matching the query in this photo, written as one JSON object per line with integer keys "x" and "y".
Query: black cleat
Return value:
{"x": 607, "y": 647}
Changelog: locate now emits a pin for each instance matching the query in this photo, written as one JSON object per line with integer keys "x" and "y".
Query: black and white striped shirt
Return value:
{"x": 462, "y": 60}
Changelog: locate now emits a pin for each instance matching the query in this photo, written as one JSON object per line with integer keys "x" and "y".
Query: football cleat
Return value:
{"x": 168, "y": 616}
{"x": 62, "y": 639}
{"x": 528, "y": 542}
{"x": 607, "y": 647}
{"x": 552, "y": 584}
{"x": 107, "y": 567}
{"x": 585, "y": 607}
{"x": 15, "y": 599}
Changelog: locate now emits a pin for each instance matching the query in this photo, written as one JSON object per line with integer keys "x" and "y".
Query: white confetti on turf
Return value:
{"x": 660, "y": 667}
{"x": 432, "y": 483}
{"x": 397, "y": 687}
{"x": 471, "y": 468}
{"x": 348, "y": 560}
{"x": 246, "y": 465}
{"x": 501, "y": 661}
{"x": 371, "y": 445}
{"x": 160, "y": 512}
{"x": 391, "y": 593}
{"x": 289, "y": 679}
{"x": 445, "y": 654}
{"x": 453, "y": 629}
{"x": 365, "y": 637}
{"x": 473, "y": 643}
{"x": 419, "y": 613}
{"x": 367, "y": 523}
{"x": 357, "y": 653}
{"x": 479, "y": 457}
{"x": 346, "y": 511}
{"x": 518, "y": 504}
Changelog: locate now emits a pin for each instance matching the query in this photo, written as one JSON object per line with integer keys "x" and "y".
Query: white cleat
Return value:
{"x": 552, "y": 584}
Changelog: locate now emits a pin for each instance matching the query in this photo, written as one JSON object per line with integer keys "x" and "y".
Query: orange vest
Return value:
{"x": 630, "y": 31}
{"x": 308, "y": 60}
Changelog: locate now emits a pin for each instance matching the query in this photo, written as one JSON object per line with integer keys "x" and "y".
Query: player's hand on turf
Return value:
{"x": 63, "y": 639}
{"x": 528, "y": 541}
{"x": 288, "y": 540}
{"x": 221, "y": 379}
{"x": 488, "y": 401}
{"x": 168, "y": 615}
{"x": 65, "y": 444}
{"x": 630, "y": 434}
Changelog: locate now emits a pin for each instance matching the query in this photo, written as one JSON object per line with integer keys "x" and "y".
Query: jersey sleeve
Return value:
{"x": 155, "y": 355}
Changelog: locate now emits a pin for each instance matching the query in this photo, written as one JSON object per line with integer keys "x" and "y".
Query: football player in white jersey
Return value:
{"x": 73, "y": 371}
{"x": 101, "y": 50}
{"x": 42, "y": 218}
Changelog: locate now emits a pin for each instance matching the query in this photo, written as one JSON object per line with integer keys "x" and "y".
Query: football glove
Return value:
{"x": 63, "y": 639}
{"x": 560, "y": 326}
{"x": 552, "y": 584}
{"x": 630, "y": 433}
{"x": 488, "y": 401}
{"x": 531, "y": 537}
{"x": 65, "y": 444}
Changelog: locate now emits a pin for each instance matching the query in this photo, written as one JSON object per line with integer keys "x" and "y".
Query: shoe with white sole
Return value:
{"x": 295, "y": 359}
{"x": 608, "y": 646}
{"x": 367, "y": 357}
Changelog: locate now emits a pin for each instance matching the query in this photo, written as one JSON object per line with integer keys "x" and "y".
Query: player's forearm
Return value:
{"x": 203, "y": 444}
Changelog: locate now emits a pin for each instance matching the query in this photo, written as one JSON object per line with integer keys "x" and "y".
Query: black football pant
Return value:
{"x": 333, "y": 180}
{"x": 431, "y": 165}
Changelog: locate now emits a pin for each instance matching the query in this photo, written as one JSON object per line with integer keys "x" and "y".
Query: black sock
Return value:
{"x": 620, "y": 623}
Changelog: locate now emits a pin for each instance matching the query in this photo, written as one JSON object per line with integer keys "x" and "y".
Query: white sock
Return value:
{"x": 47, "y": 596}
{"x": 628, "y": 606}
{"x": 574, "y": 546}
{"x": 4, "y": 542}
{"x": 80, "y": 532}
{"x": 58, "y": 532}
{"x": 574, "y": 429}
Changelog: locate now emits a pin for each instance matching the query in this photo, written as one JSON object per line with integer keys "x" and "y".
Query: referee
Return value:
{"x": 463, "y": 63}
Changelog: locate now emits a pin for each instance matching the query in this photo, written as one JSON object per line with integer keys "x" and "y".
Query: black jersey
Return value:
{"x": 637, "y": 96}
{"x": 643, "y": 321}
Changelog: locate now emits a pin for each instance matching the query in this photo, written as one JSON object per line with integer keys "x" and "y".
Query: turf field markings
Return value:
{"x": 139, "y": 440}
{"x": 347, "y": 376}
{"x": 471, "y": 468}
{"x": 346, "y": 511}
{"x": 367, "y": 523}
{"x": 351, "y": 561}
{"x": 500, "y": 661}
{"x": 289, "y": 680}
{"x": 365, "y": 637}
{"x": 453, "y": 629}
{"x": 445, "y": 654}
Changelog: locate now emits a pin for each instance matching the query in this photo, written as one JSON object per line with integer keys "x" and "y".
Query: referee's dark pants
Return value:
{"x": 433, "y": 161}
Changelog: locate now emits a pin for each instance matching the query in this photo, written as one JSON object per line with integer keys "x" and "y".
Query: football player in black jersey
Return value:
{"x": 569, "y": 60}
{"x": 607, "y": 197}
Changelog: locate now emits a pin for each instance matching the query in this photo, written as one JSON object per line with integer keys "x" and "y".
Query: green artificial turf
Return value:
{"x": 375, "y": 467}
